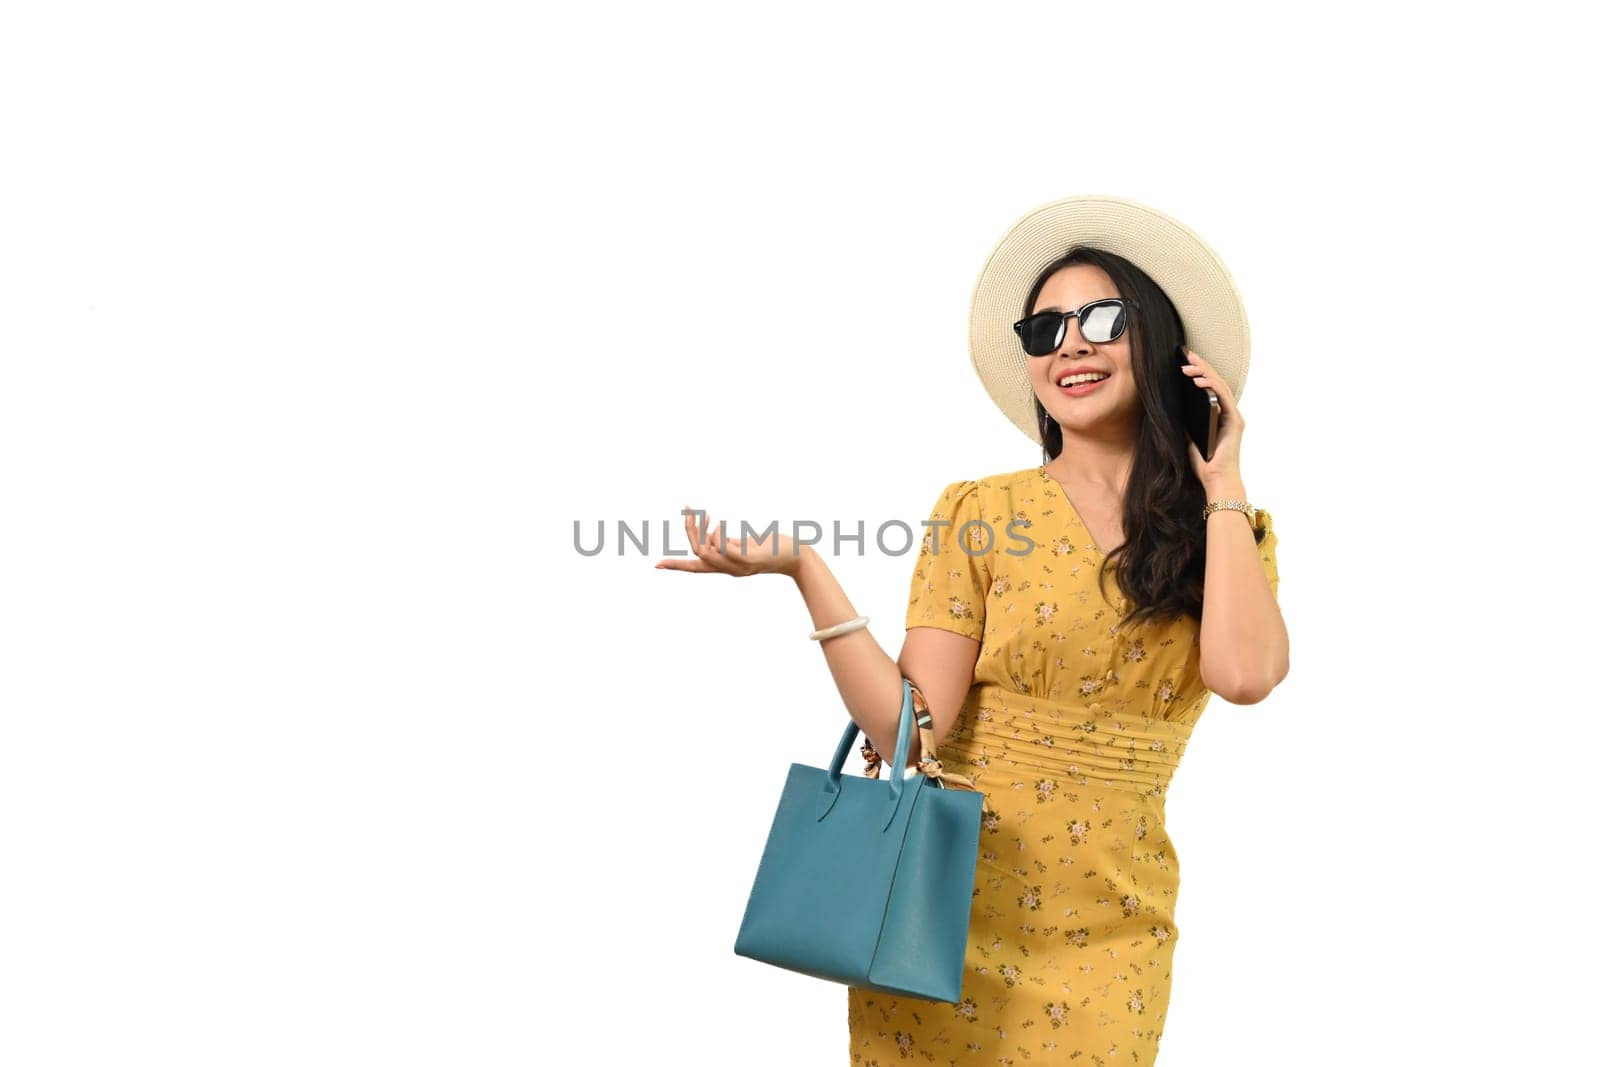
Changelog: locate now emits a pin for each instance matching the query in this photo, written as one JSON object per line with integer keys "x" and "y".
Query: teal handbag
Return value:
{"x": 867, "y": 882}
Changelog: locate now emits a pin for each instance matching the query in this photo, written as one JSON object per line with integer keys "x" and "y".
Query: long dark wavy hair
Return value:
{"x": 1161, "y": 562}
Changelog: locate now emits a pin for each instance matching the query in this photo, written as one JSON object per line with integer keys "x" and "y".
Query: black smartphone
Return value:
{"x": 1201, "y": 411}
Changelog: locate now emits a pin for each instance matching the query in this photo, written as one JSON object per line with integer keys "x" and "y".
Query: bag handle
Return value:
{"x": 831, "y": 785}
{"x": 929, "y": 764}
{"x": 913, "y": 701}
{"x": 912, "y": 704}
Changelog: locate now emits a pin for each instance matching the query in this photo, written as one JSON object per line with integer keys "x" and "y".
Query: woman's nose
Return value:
{"x": 1072, "y": 339}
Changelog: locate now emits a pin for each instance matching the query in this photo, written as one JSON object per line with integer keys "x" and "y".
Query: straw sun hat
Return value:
{"x": 1174, "y": 256}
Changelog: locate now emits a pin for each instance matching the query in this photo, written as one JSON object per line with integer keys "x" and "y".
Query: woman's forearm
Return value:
{"x": 867, "y": 677}
{"x": 1244, "y": 644}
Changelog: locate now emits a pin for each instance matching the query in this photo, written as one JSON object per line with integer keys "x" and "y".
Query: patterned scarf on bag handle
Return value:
{"x": 929, "y": 764}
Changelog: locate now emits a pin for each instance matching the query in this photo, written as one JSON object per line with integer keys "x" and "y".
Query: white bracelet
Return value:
{"x": 856, "y": 623}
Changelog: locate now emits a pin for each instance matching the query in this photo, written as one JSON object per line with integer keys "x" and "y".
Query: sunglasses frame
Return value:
{"x": 1123, "y": 302}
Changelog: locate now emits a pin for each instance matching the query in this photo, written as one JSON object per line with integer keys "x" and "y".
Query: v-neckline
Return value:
{"x": 1077, "y": 515}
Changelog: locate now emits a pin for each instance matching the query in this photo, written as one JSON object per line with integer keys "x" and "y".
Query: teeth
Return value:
{"x": 1074, "y": 379}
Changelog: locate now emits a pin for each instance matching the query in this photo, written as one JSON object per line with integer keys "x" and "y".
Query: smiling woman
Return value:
{"x": 1128, "y": 416}
{"x": 1064, "y": 670}
{"x": 1088, "y": 678}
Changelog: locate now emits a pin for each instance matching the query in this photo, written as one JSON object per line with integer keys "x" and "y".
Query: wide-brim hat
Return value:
{"x": 1184, "y": 266}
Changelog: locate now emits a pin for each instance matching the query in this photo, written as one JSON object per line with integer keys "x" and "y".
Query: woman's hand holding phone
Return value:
{"x": 1223, "y": 466}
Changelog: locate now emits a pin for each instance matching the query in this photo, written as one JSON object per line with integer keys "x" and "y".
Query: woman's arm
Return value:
{"x": 939, "y": 662}
{"x": 1244, "y": 644}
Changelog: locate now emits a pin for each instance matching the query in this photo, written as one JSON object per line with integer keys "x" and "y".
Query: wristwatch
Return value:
{"x": 1232, "y": 505}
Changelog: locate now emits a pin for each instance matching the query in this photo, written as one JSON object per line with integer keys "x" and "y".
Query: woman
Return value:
{"x": 1055, "y": 631}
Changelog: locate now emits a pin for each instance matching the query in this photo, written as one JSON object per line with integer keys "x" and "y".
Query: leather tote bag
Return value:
{"x": 869, "y": 882}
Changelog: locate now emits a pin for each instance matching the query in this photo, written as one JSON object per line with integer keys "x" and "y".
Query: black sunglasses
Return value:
{"x": 1100, "y": 321}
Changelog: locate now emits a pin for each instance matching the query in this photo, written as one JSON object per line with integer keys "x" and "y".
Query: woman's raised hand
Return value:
{"x": 714, "y": 554}
{"x": 1224, "y": 464}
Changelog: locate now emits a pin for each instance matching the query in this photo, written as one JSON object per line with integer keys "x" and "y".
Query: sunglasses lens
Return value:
{"x": 1041, "y": 333}
{"x": 1103, "y": 322}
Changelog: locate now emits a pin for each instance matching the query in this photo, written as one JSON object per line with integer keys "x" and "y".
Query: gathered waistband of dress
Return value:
{"x": 1090, "y": 743}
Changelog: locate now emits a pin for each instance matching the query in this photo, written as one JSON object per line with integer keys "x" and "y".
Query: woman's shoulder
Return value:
{"x": 1009, "y": 486}
{"x": 990, "y": 493}
{"x": 1002, "y": 481}
{"x": 1025, "y": 477}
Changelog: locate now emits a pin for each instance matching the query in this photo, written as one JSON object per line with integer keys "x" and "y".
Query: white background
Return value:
{"x": 324, "y": 323}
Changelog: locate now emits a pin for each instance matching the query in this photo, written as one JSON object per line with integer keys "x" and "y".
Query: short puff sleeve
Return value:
{"x": 1267, "y": 548}
{"x": 951, "y": 580}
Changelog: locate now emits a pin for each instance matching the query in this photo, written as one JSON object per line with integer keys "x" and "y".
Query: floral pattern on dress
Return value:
{"x": 1072, "y": 730}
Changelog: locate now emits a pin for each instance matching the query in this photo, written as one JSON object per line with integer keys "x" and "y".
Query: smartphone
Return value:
{"x": 1201, "y": 410}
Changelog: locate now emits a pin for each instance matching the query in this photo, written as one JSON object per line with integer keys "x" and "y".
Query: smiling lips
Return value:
{"x": 1081, "y": 383}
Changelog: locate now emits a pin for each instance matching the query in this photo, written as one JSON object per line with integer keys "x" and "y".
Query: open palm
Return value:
{"x": 716, "y": 554}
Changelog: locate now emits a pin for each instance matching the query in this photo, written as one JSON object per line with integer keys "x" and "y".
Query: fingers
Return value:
{"x": 1204, "y": 375}
{"x": 697, "y": 565}
{"x": 722, "y": 546}
{"x": 682, "y": 565}
{"x": 715, "y": 552}
{"x": 729, "y": 560}
{"x": 1199, "y": 371}
{"x": 689, "y": 526}
{"x": 709, "y": 548}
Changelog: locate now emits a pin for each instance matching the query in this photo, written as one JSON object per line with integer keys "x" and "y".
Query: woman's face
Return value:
{"x": 1115, "y": 399}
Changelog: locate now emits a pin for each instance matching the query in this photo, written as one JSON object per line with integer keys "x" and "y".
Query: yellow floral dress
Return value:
{"x": 1072, "y": 729}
